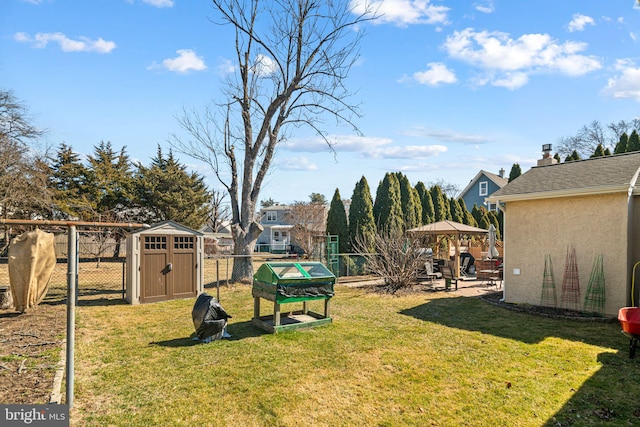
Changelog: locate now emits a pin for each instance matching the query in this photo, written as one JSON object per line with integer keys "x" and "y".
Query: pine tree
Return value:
{"x": 468, "y": 218}
{"x": 166, "y": 191}
{"x": 337, "y": 222}
{"x": 109, "y": 186}
{"x": 634, "y": 142}
{"x": 456, "y": 212}
{"x": 599, "y": 151}
{"x": 428, "y": 214}
{"x": 407, "y": 202}
{"x": 493, "y": 219}
{"x": 437, "y": 199}
{"x": 516, "y": 171}
{"x": 362, "y": 226}
{"x": 557, "y": 157}
{"x": 478, "y": 213}
{"x": 623, "y": 144}
{"x": 387, "y": 209}
{"x": 67, "y": 182}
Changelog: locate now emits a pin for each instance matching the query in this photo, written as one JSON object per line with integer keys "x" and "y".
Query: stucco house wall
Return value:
{"x": 595, "y": 224}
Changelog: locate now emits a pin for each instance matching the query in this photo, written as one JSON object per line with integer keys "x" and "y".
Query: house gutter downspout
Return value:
{"x": 630, "y": 233}
{"x": 503, "y": 208}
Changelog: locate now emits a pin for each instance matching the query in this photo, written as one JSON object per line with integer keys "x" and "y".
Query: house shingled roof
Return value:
{"x": 614, "y": 173}
{"x": 497, "y": 179}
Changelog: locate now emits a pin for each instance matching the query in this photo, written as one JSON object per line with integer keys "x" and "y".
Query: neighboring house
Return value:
{"x": 276, "y": 234}
{"x": 483, "y": 185}
{"x": 591, "y": 205}
{"x": 220, "y": 241}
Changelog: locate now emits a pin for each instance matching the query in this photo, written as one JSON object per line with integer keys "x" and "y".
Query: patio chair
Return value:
{"x": 464, "y": 268}
{"x": 449, "y": 277}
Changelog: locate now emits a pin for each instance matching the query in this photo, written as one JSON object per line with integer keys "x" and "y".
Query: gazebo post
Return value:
{"x": 457, "y": 256}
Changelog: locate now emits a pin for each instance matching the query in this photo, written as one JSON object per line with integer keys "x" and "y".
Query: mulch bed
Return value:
{"x": 30, "y": 345}
{"x": 554, "y": 312}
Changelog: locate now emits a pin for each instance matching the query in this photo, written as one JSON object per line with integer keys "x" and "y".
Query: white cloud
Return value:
{"x": 159, "y": 3}
{"x": 626, "y": 84}
{"x": 226, "y": 67}
{"x": 403, "y": 12}
{"x": 405, "y": 152}
{"x": 83, "y": 44}
{"x": 435, "y": 74}
{"x": 186, "y": 61}
{"x": 33, "y": 1}
{"x": 508, "y": 62}
{"x": 296, "y": 164}
{"x": 444, "y": 135}
{"x": 511, "y": 81}
{"x": 345, "y": 143}
{"x": 579, "y": 21}
{"x": 487, "y": 7}
{"x": 264, "y": 66}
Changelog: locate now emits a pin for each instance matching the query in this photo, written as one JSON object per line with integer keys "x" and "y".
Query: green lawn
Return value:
{"x": 411, "y": 360}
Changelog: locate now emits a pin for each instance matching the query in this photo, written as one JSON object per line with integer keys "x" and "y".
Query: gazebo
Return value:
{"x": 448, "y": 229}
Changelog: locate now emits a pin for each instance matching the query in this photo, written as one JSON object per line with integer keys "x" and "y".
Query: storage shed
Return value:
{"x": 164, "y": 262}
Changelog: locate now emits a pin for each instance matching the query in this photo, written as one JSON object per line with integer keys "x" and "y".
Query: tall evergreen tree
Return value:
{"x": 437, "y": 199}
{"x": 447, "y": 206}
{"x": 623, "y": 144}
{"x": 478, "y": 213}
{"x": 634, "y": 141}
{"x": 408, "y": 202}
{"x": 456, "y": 212}
{"x": 428, "y": 214}
{"x": 166, "y": 191}
{"x": 516, "y": 171}
{"x": 557, "y": 157}
{"x": 599, "y": 151}
{"x": 387, "y": 210}
{"x": 110, "y": 180}
{"x": 493, "y": 219}
{"x": 337, "y": 222}
{"x": 362, "y": 225}
{"x": 468, "y": 218}
{"x": 68, "y": 182}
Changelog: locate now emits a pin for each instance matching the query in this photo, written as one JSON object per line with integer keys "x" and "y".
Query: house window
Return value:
{"x": 276, "y": 236}
{"x": 484, "y": 188}
{"x": 492, "y": 207}
{"x": 272, "y": 216}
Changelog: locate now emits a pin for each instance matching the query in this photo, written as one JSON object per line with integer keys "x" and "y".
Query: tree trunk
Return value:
{"x": 244, "y": 243}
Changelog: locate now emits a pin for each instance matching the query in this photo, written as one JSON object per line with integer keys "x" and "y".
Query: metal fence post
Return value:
{"x": 71, "y": 314}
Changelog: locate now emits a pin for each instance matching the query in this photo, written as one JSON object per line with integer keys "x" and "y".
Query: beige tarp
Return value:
{"x": 32, "y": 259}
{"x": 448, "y": 228}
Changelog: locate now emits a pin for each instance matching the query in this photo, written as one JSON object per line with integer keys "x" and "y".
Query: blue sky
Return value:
{"x": 447, "y": 88}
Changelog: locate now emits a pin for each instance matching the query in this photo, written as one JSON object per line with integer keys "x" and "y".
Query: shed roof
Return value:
{"x": 598, "y": 175}
{"x": 167, "y": 226}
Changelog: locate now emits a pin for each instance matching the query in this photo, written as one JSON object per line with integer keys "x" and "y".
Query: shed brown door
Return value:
{"x": 168, "y": 267}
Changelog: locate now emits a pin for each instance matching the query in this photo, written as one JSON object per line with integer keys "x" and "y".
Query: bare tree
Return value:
{"x": 219, "y": 212}
{"x": 23, "y": 173}
{"x": 590, "y": 136}
{"x": 395, "y": 258}
{"x": 293, "y": 58}
{"x": 309, "y": 222}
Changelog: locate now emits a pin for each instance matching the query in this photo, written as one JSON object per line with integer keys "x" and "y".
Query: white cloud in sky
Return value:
{"x": 444, "y": 135}
{"x": 300, "y": 163}
{"x": 403, "y": 12}
{"x": 159, "y": 3}
{"x": 405, "y": 152}
{"x": 435, "y": 74}
{"x": 626, "y": 84}
{"x": 508, "y": 62}
{"x": 579, "y": 21}
{"x": 82, "y": 44}
{"x": 186, "y": 61}
{"x": 486, "y": 7}
{"x": 226, "y": 67}
{"x": 264, "y": 66}
{"x": 33, "y": 1}
{"x": 344, "y": 143}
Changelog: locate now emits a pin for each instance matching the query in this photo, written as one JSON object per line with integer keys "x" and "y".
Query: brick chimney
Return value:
{"x": 546, "y": 159}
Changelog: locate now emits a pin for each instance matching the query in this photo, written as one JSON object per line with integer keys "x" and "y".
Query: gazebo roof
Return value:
{"x": 447, "y": 227}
